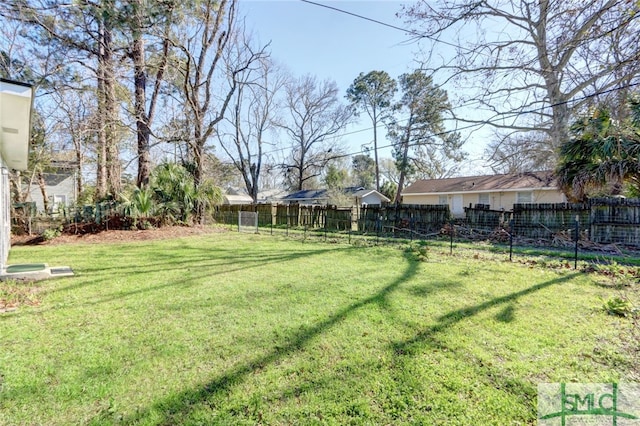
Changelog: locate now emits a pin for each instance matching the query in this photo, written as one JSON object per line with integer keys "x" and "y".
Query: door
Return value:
{"x": 457, "y": 209}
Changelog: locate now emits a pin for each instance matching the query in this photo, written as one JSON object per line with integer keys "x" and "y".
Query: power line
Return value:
{"x": 427, "y": 36}
{"x": 472, "y": 125}
{"x": 386, "y": 24}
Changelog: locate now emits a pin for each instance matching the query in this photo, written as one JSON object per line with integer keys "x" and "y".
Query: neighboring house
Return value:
{"x": 271, "y": 196}
{"x": 358, "y": 196}
{"x": 235, "y": 196}
{"x": 498, "y": 192}
{"x": 239, "y": 196}
{"x": 15, "y": 130}
{"x": 60, "y": 188}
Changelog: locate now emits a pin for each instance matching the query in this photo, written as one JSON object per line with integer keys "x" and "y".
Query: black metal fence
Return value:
{"x": 600, "y": 221}
{"x": 105, "y": 215}
{"x": 603, "y": 221}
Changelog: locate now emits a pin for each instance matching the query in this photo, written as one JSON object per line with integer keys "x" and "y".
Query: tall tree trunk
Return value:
{"x": 15, "y": 180}
{"x": 301, "y": 171}
{"x": 403, "y": 169}
{"x": 43, "y": 189}
{"x": 108, "y": 173}
{"x": 142, "y": 121}
{"x": 114, "y": 169}
{"x": 101, "y": 163}
{"x": 375, "y": 147}
{"x": 198, "y": 173}
{"x": 144, "y": 103}
{"x": 114, "y": 184}
{"x": 79, "y": 165}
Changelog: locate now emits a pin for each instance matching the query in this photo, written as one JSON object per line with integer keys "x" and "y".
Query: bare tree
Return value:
{"x": 19, "y": 60}
{"x": 389, "y": 171}
{"x": 81, "y": 35}
{"x": 530, "y": 65}
{"x": 314, "y": 117}
{"x": 519, "y": 153}
{"x": 76, "y": 117}
{"x": 213, "y": 50}
{"x": 254, "y": 109}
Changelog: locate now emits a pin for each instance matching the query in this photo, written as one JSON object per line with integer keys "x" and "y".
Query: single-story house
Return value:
{"x": 15, "y": 130}
{"x": 358, "y": 195}
{"x": 498, "y": 192}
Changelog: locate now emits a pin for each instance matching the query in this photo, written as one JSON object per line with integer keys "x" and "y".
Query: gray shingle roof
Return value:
{"x": 323, "y": 194}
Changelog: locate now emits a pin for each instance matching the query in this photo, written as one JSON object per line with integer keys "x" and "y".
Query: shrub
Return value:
{"x": 618, "y": 306}
{"x": 420, "y": 251}
{"x": 51, "y": 233}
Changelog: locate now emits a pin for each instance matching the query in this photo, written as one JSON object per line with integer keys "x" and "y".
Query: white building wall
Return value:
{"x": 371, "y": 199}
{"x": 5, "y": 212}
{"x": 63, "y": 194}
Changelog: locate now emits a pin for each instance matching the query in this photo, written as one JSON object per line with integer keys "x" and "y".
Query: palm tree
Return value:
{"x": 601, "y": 156}
{"x": 176, "y": 191}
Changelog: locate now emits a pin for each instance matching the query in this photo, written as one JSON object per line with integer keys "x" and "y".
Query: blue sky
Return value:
{"x": 329, "y": 44}
{"x": 311, "y": 39}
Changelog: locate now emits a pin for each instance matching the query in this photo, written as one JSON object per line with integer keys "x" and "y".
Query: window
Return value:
{"x": 442, "y": 200}
{"x": 483, "y": 199}
{"x": 523, "y": 197}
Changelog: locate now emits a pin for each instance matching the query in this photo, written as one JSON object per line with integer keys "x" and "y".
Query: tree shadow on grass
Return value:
{"x": 461, "y": 314}
{"x": 209, "y": 263}
{"x": 520, "y": 389}
{"x": 507, "y": 314}
{"x": 177, "y": 407}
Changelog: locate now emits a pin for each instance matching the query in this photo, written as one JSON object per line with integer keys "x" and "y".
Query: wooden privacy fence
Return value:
{"x": 615, "y": 220}
{"x": 600, "y": 220}
{"x": 543, "y": 221}
{"x": 228, "y": 213}
{"x": 365, "y": 219}
{"x": 482, "y": 218}
{"x": 416, "y": 218}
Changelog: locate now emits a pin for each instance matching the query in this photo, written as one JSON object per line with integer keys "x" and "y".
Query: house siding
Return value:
{"x": 5, "y": 211}
{"x": 497, "y": 200}
{"x": 65, "y": 188}
{"x": 371, "y": 199}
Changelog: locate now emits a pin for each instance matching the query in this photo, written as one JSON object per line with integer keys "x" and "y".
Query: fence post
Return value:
{"x": 510, "y": 240}
{"x": 326, "y": 214}
{"x": 411, "y": 227}
{"x": 350, "y": 225}
{"x": 451, "y": 235}
{"x": 577, "y": 237}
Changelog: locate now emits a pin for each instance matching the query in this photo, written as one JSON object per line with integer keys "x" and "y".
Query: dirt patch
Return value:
{"x": 98, "y": 236}
{"x": 16, "y": 294}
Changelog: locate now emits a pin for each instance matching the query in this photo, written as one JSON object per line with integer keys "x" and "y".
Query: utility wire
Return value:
{"x": 395, "y": 27}
{"x": 471, "y": 125}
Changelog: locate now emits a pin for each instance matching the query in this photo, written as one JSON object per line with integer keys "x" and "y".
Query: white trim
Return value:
{"x": 544, "y": 188}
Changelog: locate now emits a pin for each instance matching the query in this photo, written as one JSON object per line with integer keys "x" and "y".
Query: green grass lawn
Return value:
{"x": 233, "y": 328}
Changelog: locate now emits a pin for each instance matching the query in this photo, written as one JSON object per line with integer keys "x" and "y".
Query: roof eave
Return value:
{"x": 484, "y": 191}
